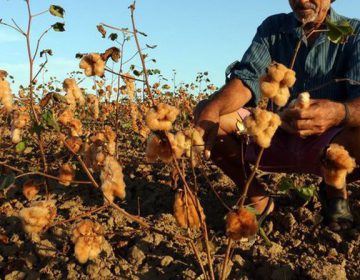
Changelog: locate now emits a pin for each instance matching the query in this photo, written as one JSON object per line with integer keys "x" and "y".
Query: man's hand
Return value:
{"x": 321, "y": 115}
{"x": 207, "y": 123}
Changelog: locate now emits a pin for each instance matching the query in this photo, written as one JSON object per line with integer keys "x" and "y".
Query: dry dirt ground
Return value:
{"x": 302, "y": 248}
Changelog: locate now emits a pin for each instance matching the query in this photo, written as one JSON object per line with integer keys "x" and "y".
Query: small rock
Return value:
{"x": 304, "y": 215}
{"x": 15, "y": 275}
{"x": 189, "y": 274}
{"x": 237, "y": 259}
{"x": 333, "y": 253}
{"x": 166, "y": 261}
{"x": 136, "y": 256}
{"x": 327, "y": 272}
{"x": 46, "y": 249}
{"x": 289, "y": 221}
{"x": 332, "y": 236}
{"x": 275, "y": 250}
{"x": 296, "y": 243}
{"x": 105, "y": 273}
{"x": 110, "y": 222}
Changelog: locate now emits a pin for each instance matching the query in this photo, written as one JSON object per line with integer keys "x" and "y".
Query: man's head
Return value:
{"x": 307, "y": 11}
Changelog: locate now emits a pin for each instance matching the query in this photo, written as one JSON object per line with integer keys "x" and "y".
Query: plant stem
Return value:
{"x": 197, "y": 255}
{"x": 227, "y": 255}
{"x": 251, "y": 177}
{"x": 149, "y": 94}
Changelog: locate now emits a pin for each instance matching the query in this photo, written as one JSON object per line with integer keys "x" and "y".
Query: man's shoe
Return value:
{"x": 336, "y": 210}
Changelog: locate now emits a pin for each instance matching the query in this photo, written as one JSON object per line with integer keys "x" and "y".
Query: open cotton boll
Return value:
{"x": 282, "y": 97}
{"x": 38, "y": 216}
{"x": 93, "y": 105}
{"x": 74, "y": 143}
{"x": 112, "y": 179}
{"x": 93, "y": 64}
{"x": 30, "y": 189}
{"x": 74, "y": 93}
{"x": 156, "y": 148}
{"x": 289, "y": 78}
{"x": 276, "y": 71}
{"x": 161, "y": 117}
{"x": 66, "y": 174}
{"x": 268, "y": 87}
{"x": 303, "y": 100}
{"x": 261, "y": 125}
{"x": 241, "y": 224}
{"x": 336, "y": 164}
{"x": 88, "y": 238}
{"x": 6, "y": 97}
{"x": 16, "y": 135}
{"x": 185, "y": 211}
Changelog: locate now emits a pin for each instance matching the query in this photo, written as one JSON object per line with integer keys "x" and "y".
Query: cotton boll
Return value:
{"x": 282, "y": 97}
{"x": 20, "y": 119}
{"x": 65, "y": 117}
{"x": 185, "y": 211}
{"x": 93, "y": 105}
{"x": 67, "y": 174}
{"x": 112, "y": 179}
{"x": 75, "y": 127}
{"x": 30, "y": 189}
{"x": 88, "y": 239}
{"x": 303, "y": 100}
{"x": 337, "y": 163}
{"x": 93, "y": 65}
{"x": 289, "y": 78}
{"x": 262, "y": 125}
{"x": 6, "y": 97}
{"x": 74, "y": 93}
{"x": 156, "y": 148}
{"x": 161, "y": 117}
{"x": 268, "y": 87}
{"x": 37, "y": 217}
{"x": 74, "y": 143}
{"x": 241, "y": 224}
{"x": 276, "y": 72}
{"x": 16, "y": 136}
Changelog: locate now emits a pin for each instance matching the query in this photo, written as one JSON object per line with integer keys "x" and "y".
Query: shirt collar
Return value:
{"x": 293, "y": 26}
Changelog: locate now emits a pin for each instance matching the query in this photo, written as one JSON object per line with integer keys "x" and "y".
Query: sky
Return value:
{"x": 191, "y": 36}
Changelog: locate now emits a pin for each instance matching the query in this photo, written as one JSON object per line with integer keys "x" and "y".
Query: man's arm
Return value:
{"x": 320, "y": 116}
{"x": 231, "y": 98}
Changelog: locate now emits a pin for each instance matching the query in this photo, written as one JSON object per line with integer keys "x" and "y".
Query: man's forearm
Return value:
{"x": 354, "y": 113}
{"x": 231, "y": 97}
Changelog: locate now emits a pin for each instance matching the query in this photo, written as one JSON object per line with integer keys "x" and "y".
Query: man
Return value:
{"x": 333, "y": 116}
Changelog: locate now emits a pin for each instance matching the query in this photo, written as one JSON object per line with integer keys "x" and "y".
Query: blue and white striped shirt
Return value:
{"x": 315, "y": 65}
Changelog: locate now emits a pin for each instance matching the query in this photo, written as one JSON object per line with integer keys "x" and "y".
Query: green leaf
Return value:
{"x": 57, "y": 11}
{"x": 286, "y": 184}
{"x": 8, "y": 180}
{"x": 20, "y": 147}
{"x": 137, "y": 73}
{"x": 113, "y": 36}
{"x": 339, "y": 31}
{"x": 58, "y": 27}
{"x": 252, "y": 210}
{"x": 151, "y": 46}
{"x": 49, "y": 120}
{"x": 306, "y": 193}
{"x": 46, "y": 51}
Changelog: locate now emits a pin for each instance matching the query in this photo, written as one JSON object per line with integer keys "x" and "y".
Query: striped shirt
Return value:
{"x": 276, "y": 39}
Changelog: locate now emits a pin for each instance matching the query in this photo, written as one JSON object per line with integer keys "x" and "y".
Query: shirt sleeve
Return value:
{"x": 253, "y": 64}
{"x": 353, "y": 68}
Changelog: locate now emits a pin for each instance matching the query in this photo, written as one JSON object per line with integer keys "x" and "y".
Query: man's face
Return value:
{"x": 310, "y": 10}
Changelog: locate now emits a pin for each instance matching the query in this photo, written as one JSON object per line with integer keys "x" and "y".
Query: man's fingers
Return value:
{"x": 210, "y": 138}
